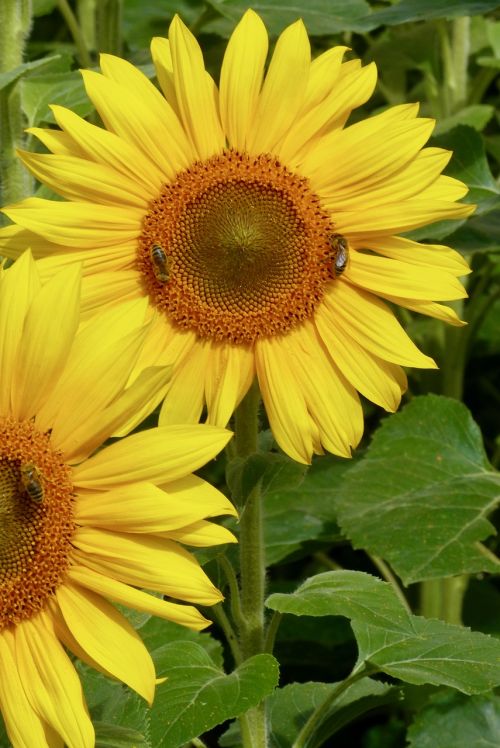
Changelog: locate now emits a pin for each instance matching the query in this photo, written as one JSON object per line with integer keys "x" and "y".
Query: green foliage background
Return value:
{"x": 374, "y": 564}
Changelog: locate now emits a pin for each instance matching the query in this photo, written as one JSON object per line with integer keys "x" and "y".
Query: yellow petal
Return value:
{"x": 426, "y": 255}
{"x": 108, "y": 637}
{"x": 14, "y": 240}
{"x": 56, "y": 141}
{"x": 194, "y": 93}
{"x": 318, "y": 121}
{"x": 145, "y": 561}
{"x": 186, "y": 390}
{"x": 149, "y": 130}
{"x": 107, "y": 148}
{"x": 229, "y": 374}
{"x": 386, "y": 276}
{"x": 372, "y": 324}
{"x": 105, "y": 287}
{"x": 378, "y": 380}
{"x": 399, "y": 217}
{"x": 411, "y": 181}
{"x": 353, "y": 87}
{"x": 201, "y": 534}
{"x": 143, "y": 507}
{"x": 48, "y": 334}
{"x": 429, "y": 308}
{"x": 77, "y": 224}
{"x": 184, "y": 615}
{"x": 284, "y": 401}
{"x": 158, "y": 455}
{"x": 18, "y": 286}
{"x": 128, "y": 76}
{"x": 78, "y": 179}
{"x": 94, "y": 377}
{"x": 283, "y": 90}
{"x": 23, "y": 725}
{"x": 241, "y": 78}
{"x": 162, "y": 59}
{"x": 51, "y": 682}
{"x": 378, "y": 146}
{"x": 164, "y": 344}
{"x": 131, "y": 407}
{"x": 331, "y": 400}
{"x": 323, "y": 75}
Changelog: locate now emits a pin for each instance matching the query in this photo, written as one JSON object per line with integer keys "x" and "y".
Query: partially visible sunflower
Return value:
{"x": 263, "y": 232}
{"x": 78, "y": 529}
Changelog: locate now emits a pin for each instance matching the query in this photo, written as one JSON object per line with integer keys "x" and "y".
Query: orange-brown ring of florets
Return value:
{"x": 35, "y": 530}
{"x": 237, "y": 248}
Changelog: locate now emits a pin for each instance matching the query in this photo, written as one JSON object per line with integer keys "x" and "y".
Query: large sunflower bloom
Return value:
{"x": 263, "y": 232}
{"x": 77, "y": 529}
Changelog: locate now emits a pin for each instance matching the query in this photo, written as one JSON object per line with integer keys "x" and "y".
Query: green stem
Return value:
{"x": 325, "y": 560}
{"x": 321, "y": 712}
{"x": 15, "y": 181}
{"x": 453, "y": 359}
{"x": 460, "y": 60}
{"x": 252, "y": 564}
{"x": 220, "y": 616}
{"x": 108, "y": 26}
{"x": 75, "y": 31}
{"x": 272, "y": 631}
{"x": 443, "y": 598}
{"x": 449, "y": 83}
{"x": 387, "y": 574}
{"x": 234, "y": 590}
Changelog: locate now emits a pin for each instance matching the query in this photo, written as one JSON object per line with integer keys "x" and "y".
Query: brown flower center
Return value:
{"x": 237, "y": 248}
{"x": 36, "y": 520}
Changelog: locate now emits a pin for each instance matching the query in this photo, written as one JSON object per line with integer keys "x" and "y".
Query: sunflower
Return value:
{"x": 262, "y": 231}
{"x": 80, "y": 527}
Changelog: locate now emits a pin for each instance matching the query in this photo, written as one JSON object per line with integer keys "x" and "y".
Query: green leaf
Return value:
{"x": 320, "y": 16}
{"x": 114, "y": 736}
{"x": 198, "y": 695}
{"x": 157, "y": 632}
{"x": 296, "y": 514}
{"x": 432, "y": 652}
{"x": 271, "y": 471}
{"x": 112, "y": 703}
{"x": 65, "y": 89}
{"x": 469, "y": 164}
{"x": 143, "y": 19}
{"x": 10, "y": 76}
{"x": 352, "y": 594}
{"x": 325, "y": 17}
{"x": 476, "y": 116}
{"x": 290, "y": 707}
{"x": 479, "y": 233}
{"x": 424, "y": 10}
{"x": 455, "y": 721}
{"x": 414, "y": 649}
{"x": 421, "y": 496}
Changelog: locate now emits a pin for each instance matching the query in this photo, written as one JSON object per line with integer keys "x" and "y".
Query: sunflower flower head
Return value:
{"x": 79, "y": 527}
{"x": 263, "y": 231}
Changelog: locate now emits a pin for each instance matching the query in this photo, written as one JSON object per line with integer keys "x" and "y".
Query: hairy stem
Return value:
{"x": 15, "y": 182}
{"x": 252, "y": 565}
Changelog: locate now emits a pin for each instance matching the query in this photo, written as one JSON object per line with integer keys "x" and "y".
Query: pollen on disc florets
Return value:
{"x": 36, "y": 520}
{"x": 236, "y": 248}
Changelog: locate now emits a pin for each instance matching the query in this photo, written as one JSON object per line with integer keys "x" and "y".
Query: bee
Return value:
{"x": 160, "y": 263}
{"x": 31, "y": 482}
{"x": 340, "y": 247}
